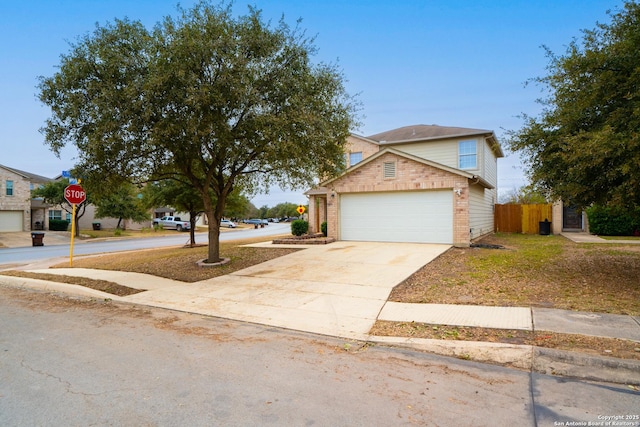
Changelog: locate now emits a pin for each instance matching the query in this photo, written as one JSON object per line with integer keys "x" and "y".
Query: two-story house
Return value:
{"x": 422, "y": 183}
{"x": 18, "y": 212}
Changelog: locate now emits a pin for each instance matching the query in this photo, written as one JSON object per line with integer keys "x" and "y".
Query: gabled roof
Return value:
{"x": 364, "y": 138}
{"x": 399, "y": 153}
{"x": 419, "y": 133}
{"x": 32, "y": 177}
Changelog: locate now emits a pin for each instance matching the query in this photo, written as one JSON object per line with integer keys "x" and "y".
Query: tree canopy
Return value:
{"x": 585, "y": 145}
{"x": 122, "y": 203}
{"x": 208, "y": 98}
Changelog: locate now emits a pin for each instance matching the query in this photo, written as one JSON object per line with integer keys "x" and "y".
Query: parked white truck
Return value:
{"x": 172, "y": 222}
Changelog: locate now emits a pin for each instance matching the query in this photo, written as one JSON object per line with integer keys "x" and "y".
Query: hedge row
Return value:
{"x": 58, "y": 225}
{"x": 614, "y": 221}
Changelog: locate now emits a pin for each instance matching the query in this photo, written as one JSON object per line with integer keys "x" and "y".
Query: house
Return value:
{"x": 18, "y": 211}
{"x": 423, "y": 183}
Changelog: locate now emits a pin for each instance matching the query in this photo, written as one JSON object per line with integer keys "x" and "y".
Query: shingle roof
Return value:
{"x": 39, "y": 179}
{"x": 422, "y": 132}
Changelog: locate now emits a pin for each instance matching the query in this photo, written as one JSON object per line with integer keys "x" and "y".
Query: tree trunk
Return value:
{"x": 214, "y": 215}
{"x": 192, "y": 231}
{"x": 214, "y": 239}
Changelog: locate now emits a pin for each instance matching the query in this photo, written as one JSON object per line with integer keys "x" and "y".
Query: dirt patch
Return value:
{"x": 181, "y": 263}
{"x": 610, "y": 347}
{"x": 307, "y": 239}
{"x": 99, "y": 285}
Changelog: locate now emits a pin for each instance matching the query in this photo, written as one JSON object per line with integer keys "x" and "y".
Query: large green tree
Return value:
{"x": 122, "y": 203}
{"x": 212, "y": 98}
{"x": 585, "y": 145}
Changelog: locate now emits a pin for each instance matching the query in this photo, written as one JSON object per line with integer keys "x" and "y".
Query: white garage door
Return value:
{"x": 11, "y": 221}
{"x": 412, "y": 216}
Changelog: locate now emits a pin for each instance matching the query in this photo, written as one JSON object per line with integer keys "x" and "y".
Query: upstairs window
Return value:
{"x": 467, "y": 155}
{"x": 355, "y": 158}
{"x": 9, "y": 188}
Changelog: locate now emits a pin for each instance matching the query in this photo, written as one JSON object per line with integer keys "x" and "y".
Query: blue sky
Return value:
{"x": 447, "y": 62}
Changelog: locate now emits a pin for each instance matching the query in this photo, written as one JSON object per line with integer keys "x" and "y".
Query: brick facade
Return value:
{"x": 410, "y": 176}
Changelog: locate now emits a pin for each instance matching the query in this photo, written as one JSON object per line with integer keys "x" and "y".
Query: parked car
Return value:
{"x": 227, "y": 223}
{"x": 257, "y": 222}
{"x": 172, "y": 222}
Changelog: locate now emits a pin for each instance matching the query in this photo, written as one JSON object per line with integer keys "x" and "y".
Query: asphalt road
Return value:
{"x": 88, "y": 247}
{"x": 75, "y": 362}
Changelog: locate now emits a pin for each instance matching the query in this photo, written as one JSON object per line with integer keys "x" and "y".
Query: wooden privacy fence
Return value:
{"x": 514, "y": 218}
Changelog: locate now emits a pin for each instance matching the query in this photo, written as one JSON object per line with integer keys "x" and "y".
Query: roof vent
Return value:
{"x": 389, "y": 170}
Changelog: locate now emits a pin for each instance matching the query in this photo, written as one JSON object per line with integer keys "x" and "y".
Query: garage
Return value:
{"x": 409, "y": 216}
{"x": 10, "y": 221}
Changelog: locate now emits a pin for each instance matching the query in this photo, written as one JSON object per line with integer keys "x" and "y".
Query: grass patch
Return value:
{"x": 180, "y": 263}
{"x": 532, "y": 270}
{"x": 636, "y": 238}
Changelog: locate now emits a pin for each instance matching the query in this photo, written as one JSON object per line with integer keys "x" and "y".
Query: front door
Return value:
{"x": 571, "y": 218}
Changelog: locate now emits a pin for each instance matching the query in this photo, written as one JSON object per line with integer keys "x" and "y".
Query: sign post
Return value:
{"x": 74, "y": 194}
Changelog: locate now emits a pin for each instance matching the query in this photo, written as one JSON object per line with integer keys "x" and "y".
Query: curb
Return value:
{"x": 536, "y": 359}
{"x": 511, "y": 355}
{"x": 577, "y": 365}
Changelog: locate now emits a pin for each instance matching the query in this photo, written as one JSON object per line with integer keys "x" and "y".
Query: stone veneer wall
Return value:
{"x": 21, "y": 198}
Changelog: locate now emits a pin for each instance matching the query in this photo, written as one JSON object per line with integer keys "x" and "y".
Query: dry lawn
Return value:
{"x": 532, "y": 271}
{"x": 180, "y": 263}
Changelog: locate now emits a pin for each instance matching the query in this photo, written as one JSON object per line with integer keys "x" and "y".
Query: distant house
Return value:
{"x": 18, "y": 211}
{"x": 422, "y": 183}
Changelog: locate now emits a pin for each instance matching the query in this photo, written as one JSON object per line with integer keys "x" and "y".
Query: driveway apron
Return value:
{"x": 337, "y": 289}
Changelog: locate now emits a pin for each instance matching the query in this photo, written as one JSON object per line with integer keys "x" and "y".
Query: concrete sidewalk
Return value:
{"x": 583, "y": 237}
{"x": 342, "y": 289}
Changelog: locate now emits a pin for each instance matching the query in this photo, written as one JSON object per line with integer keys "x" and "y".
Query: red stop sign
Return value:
{"x": 74, "y": 194}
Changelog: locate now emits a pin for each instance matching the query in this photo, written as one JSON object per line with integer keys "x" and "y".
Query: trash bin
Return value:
{"x": 96, "y": 226}
{"x": 36, "y": 238}
{"x": 545, "y": 227}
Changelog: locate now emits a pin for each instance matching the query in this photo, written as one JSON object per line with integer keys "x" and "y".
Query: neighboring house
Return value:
{"x": 422, "y": 183}
{"x": 18, "y": 211}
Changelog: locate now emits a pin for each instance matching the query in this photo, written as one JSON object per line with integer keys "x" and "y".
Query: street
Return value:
{"x": 87, "y": 247}
{"x": 75, "y": 362}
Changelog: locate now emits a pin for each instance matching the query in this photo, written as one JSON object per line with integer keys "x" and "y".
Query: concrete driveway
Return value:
{"x": 337, "y": 289}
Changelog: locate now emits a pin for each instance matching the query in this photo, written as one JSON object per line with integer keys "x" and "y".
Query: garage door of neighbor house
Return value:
{"x": 410, "y": 216}
{"x": 11, "y": 221}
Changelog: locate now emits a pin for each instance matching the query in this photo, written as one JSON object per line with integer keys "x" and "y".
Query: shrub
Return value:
{"x": 299, "y": 227}
{"x": 58, "y": 225}
{"x": 323, "y": 228}
{"x": 613, "y": 221}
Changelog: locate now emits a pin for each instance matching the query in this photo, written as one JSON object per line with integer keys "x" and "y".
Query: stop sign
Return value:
{"x": 74, "y": 194}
